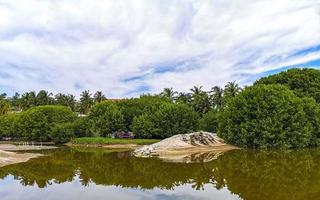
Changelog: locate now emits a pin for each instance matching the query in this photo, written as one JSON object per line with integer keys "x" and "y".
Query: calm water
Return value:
{"x": 78, "y": 173}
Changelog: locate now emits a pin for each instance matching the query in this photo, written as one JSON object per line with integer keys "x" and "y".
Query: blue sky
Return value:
{"x": 128, "y": 47}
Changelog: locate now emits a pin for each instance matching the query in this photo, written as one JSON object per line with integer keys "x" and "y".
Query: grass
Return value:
{"x": 102, "y": 141}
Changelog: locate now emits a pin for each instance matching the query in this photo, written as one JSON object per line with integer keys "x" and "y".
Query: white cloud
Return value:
{"x": 96, "y": 45}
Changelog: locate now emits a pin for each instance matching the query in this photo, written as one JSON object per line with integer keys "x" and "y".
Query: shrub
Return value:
{"x": 4, "y": 107}
{"x": 36, "y": 123}
{"x": 143, "y": 127}
{"x": 7, "y": 125}
{"x": 168, "y": 120}
{"x": 135, "y": 107}
{"x": 62, "y": 133}
{"x": 210, "y": 122}
{"x": 304, "y": 82}
{"x": 81, "y": 127}
{"x": 267, "y": 116}
{"x": 105, "y": 118}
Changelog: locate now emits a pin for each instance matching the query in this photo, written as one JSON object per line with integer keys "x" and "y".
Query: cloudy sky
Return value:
{"x": 125, "y": 47}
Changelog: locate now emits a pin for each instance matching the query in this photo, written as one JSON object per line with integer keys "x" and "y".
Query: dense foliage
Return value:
{"x": 168, "y": 120}
{"x": 105, "y": 118}
{"x": 137, "y": 106}
{"x": 35, "y": 124}
{"x": 304, "y": 82}
{"x": 280, "y": 111}
{"x": 265, "y": 116}
{"x": 210, "y": 121}
{"x": 4, "y": 107}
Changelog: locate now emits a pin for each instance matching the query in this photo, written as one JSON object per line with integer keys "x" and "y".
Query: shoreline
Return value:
{"x": 9, "y": 153}
{"x": 107, "y": 146}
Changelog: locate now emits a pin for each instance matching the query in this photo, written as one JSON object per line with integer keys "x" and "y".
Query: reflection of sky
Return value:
{"x": 11, "y": 189}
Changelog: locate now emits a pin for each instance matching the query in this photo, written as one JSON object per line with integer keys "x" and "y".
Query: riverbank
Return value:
{"x": 9, "y": 158}
{"x": 113, "y": 143}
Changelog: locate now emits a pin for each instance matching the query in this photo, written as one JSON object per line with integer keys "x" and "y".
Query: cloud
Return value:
{"x": 127, "y": 47}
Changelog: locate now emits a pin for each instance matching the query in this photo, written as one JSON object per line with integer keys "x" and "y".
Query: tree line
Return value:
{"x": 32, "y": 99}
{"x": 201, "y": 100}
{"x": 149, "y": 116}
{"x": 278, "y": 111}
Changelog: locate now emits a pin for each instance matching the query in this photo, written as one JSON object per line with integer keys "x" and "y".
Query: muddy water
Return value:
{"x": 82, "y": 173}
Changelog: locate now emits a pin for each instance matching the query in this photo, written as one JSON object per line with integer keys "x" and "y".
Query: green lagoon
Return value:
{"x": 88, "y": 173}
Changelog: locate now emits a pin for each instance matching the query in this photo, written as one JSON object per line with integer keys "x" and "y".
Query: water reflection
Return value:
{"x": 247, "y": 174}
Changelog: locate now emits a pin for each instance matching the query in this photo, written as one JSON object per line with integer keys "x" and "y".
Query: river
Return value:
{"x": 89, "y": 173}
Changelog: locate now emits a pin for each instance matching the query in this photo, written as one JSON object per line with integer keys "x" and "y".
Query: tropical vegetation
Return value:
{"x": 278, "y": 111}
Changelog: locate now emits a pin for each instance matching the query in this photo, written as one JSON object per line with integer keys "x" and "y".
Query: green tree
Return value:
{"x": 98, "y": 97}
{"x": 137, "y": 106}
{"x": 143, "y": 126}
{"x": 7, "y": 125}
{"x": 4, "y": 107}
{"x": 304, "y": 82}
{"x": 217, "y": 97}
{"x": 28, "y": 100}
{"x": 184, "y": 98}
{"x": 36, "y": 123}
{"x": 3, "y": 96}
{"x": 16, "y": 102}
{"x": 86, "y": 102}
{"x": 169, "y": 93}
{"x": 210, "y": 122}
{"x": 66, "y": 100}
{"x": 62, "y": 132}
{"x": 196, "y": 90}
{"x": 106, "y": 118}
{"x": 44, "y": 98}
{"x": 200, "y": 100}
{"x": 231, "y": 90}
{"x": 170, "y": 119}
{"x": 270, "y": 116}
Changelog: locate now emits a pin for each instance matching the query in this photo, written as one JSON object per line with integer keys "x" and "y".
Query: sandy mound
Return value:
{"x": 184, "y": 147}
{"x": 8, "y": 158}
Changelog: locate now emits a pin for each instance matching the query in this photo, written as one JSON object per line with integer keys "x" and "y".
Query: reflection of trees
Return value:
{"x": 106, "y": 168}
{"x": 251, "y": 175}
{"x": 270, "y": 175}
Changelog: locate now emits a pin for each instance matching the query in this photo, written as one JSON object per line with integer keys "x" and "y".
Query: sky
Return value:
{"x": 129, "y": 47}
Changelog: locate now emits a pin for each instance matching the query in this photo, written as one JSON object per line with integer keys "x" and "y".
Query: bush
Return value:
{"x": 81, "y": 127}
{"x": 62, "y": 133}
{"x": 143, "y": 127}
{"x": 4, "y": 107}
{"x": 304, "y": 82}
{"x": 210, "y": 122}
{"x": 135, "y": 107}
{"x": 270, "y": 116}
{"x": 7, "y": 125}
{"x": 170, "y": 119}
{"x": 105, "y": 118}
{"x": 36, "y": 123}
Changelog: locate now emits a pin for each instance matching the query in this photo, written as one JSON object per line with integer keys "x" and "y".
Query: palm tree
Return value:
{"x": 200, "y": 100}
{"x": 196, "y": 90}
{"x": 169, "y": 93}
{"x": 44, "y": 98}
{"x": 28, "y": 100}
{"x": 16, "y": 101}
{"x": 231, "y": 89}
{"x": 3, "y": 96}
{"x": 183, "y": 97}
{"x": 217, "y": 97}
{"x": 86, "y": 102}
{"x": 99, "y": 97}
{"x": 66, "y": 100}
